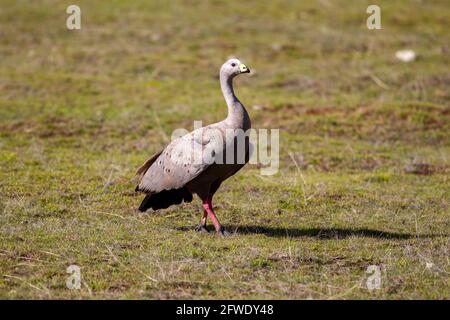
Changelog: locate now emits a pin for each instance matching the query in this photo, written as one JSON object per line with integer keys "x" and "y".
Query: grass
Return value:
{"x": 364, "y": 167}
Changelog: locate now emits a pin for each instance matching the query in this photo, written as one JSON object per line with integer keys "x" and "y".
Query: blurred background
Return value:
{"x": 364, "y": 146}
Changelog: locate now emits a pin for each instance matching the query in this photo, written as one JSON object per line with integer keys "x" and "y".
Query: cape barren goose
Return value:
{"x": 198, "y": 162}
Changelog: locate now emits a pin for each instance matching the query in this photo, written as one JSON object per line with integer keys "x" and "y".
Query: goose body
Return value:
{"x": 198, "y": 162}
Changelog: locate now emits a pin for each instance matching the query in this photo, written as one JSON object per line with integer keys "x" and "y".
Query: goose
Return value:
{"x": 198, "y": 162}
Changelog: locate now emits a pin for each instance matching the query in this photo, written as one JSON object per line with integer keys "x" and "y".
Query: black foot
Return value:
{"x": 224, "y": 233}
{"x": 201, "y": 228}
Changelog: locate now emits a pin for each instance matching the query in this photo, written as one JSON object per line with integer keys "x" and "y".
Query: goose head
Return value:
{"x": 233, "y": 67}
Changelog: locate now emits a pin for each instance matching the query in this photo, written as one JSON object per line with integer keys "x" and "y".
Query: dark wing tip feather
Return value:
{"x": 165, "y": 199}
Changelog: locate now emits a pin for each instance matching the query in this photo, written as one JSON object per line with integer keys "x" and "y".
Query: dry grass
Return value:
{"x": 364, "y": 163}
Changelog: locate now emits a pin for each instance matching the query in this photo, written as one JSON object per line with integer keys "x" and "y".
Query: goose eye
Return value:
{"x": 233, "y": 64}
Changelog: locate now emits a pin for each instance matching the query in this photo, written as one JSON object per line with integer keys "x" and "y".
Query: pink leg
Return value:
{"x": 203, "y": 221}
{"x": 202, "y": 226}
{"x": 207, "y": 205}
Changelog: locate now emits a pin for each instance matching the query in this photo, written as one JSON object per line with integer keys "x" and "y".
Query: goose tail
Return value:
{"x": 165, "y": 199}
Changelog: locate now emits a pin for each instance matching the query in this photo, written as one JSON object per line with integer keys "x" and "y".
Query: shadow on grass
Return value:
{"x": 320, "y": 233}
{"x": 324, "y": 233}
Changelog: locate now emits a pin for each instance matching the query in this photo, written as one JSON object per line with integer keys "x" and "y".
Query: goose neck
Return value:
{"x": 226, "y": 84}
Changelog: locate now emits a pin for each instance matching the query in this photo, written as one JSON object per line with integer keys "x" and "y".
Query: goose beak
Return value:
{"x": 244, "y": 68}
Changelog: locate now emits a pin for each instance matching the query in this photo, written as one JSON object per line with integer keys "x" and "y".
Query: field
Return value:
{"x": 364, "y": 175}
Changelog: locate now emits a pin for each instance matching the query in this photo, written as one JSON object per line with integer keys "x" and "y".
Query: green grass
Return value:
{"x": 81, "y": 110}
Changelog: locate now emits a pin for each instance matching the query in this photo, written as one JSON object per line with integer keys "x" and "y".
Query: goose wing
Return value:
{"x": 180, "y": 162}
